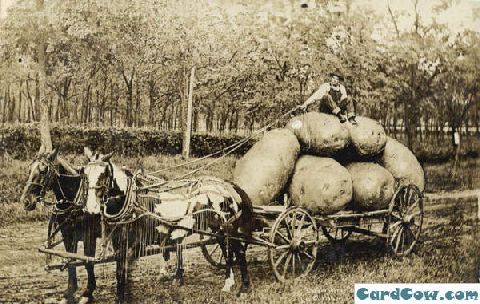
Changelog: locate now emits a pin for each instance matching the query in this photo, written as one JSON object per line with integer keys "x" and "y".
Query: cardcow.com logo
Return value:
{"x": 417, "y": 293}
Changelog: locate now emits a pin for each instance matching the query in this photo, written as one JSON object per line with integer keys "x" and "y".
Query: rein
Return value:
{"x": 78, "y": 202}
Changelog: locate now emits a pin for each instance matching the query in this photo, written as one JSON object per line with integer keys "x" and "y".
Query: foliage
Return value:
{"x": 128, "y": 64}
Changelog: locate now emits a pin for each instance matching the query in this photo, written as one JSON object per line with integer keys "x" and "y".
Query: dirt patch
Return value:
{"x": 447, "y": 253}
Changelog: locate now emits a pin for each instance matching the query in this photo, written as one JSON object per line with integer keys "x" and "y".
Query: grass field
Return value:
{"x": 13, "y": 175}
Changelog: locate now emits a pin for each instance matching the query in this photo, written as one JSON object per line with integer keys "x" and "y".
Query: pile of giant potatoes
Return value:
{"x": 325, "y": 165}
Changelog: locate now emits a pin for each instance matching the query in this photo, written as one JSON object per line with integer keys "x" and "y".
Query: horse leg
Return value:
{"x": 125, "y": 245}
{"x": 70, "y": 244}
{"x": 229, "y": 276}
{"x": 121, "y": 273}
{"x": 179, "y": 265}
{"x": 90, "y": 246}
{"x": 120, "y": 245}
{"x": 240, "y": 254}
{"x": 129, "y": 283}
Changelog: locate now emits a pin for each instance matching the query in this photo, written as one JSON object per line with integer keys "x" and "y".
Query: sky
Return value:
{"x": 4, "y": 4}
{"x": 458, "y": 17}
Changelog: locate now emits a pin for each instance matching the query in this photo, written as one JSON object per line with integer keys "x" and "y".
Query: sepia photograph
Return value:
{"x": 240, "y": 151}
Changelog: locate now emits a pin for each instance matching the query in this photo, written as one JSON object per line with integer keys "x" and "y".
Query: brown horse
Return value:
{"x": 48, "y": 172}
{"x": 110, "y": 190}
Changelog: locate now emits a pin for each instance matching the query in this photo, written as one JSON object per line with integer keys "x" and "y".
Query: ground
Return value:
{"x": 447, "y": 253}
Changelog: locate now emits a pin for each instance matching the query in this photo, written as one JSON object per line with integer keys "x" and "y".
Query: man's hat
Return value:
{"x": 337, "y": 74}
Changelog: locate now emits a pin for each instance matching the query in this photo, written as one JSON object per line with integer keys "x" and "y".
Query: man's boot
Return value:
{"x": 352, "y": 120}
{"x": 341, "y": 117}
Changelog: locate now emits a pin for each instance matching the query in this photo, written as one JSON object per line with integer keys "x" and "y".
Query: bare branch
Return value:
{"x": 394, "y": 20}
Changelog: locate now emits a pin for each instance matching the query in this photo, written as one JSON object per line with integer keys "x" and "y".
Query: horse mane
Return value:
{"x": 68, "y": 183}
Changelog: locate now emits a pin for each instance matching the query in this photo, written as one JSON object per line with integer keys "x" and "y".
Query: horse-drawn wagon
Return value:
{"x": 290, "y": 233}
{"x": 138, "y": 214}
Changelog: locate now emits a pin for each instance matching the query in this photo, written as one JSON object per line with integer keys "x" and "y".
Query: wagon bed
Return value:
{"x": 292, "y": 234}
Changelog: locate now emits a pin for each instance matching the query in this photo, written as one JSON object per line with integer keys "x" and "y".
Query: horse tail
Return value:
{"x": 246, "y": 221}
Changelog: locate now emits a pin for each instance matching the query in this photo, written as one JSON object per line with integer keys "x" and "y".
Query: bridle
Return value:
{"x": 45, "y": 183}
{"x": 106, "y": 184}
{"x": 46, "y": 179}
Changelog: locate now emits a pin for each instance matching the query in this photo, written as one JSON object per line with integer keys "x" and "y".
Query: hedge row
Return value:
{"x": 22, "y": 141}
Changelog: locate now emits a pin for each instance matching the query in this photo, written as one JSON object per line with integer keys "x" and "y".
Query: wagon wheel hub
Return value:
{"x": 297, "y": 244}
{"x": 408, "y": 218}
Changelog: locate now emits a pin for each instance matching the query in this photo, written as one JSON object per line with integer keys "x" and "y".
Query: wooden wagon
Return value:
{"x": 292, "y": 234}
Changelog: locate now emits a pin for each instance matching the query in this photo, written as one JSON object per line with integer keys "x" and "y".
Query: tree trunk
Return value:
{"x": 188, "y": 119}
{"x": 195, "y": 120}
{"x": 45, "y": 137}
{"x": 410, "y": 106}
{"x": 151, "y": 98}
{"x": 137, "y": 112}
{"x": 477, "y": 117}
{"x": 128, "y": 117}
{"x": 5, "y": 101}
{"x": 20, "y": 101}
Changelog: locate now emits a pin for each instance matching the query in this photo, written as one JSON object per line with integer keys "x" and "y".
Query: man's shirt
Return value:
{"x": 325, "y": 88}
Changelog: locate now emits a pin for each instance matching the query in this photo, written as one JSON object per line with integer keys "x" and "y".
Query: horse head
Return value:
{"x": 105, "y": 180}
{"x": 42, "y": 172}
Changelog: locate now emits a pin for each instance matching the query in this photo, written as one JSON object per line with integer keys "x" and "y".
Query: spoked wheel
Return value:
{"x": 336, "y": 235}
{"x": 406, "y": 219}
{"x": 295, "y": 235}
{"x": 213, "y": 254}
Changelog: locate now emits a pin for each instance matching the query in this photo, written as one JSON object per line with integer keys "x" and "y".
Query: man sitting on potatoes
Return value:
{"x": 333, "y": 98}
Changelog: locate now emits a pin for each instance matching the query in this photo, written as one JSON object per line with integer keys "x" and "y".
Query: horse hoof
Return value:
{"x": 229, "y": 282}
{"x": 243, "y": 291}
{"x": 226, "y": 289}
{"x": 68, "y": 301}
{"x": 85, "y": 300}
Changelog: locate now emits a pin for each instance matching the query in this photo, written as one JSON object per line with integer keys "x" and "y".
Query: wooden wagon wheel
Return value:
{"x": 405, "y": 220}
{"x": 336, "y": 235}
{"x": 295, "y": 235}
{"x": 213, "y": 254}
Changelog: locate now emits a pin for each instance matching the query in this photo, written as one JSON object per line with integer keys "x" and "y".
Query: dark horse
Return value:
{"x": 231, "y": 217}
{"x": 48, "y": 172}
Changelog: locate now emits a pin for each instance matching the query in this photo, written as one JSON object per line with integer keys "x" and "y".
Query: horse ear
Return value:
{"x": 88, "y": 153}
{"x": 106, "y": 157}
{"x": 53, "y": 154}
